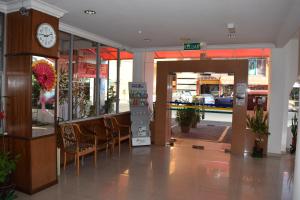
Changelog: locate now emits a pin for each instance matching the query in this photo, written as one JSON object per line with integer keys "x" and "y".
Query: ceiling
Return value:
{"x": 164, "y": 22}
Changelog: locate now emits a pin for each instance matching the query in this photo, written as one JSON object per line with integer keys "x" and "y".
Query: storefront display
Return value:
{"x": 140, "y": 114}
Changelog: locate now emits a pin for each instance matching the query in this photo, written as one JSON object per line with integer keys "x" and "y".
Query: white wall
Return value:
{"x": 143, "y": 71}
{"x": 284, "y": 72}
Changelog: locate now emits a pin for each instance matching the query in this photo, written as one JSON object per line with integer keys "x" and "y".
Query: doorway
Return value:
{"x": 210, "y": 96}
{"x": 165, "y": 76}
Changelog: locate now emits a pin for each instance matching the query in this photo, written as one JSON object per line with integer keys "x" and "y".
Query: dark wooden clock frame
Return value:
{"x": 36, "y": 168}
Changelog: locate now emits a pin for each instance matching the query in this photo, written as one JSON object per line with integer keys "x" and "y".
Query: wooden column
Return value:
{"x": 36, "y": 168}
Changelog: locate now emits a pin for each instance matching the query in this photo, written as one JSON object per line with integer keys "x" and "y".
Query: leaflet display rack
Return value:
{"x": 140, "y": 114}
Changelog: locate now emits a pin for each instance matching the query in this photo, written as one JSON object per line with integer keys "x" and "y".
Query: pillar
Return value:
{"x": 284, "y": 70}
{"x": 296, "y": 190}
{"x": 143, "y": 71}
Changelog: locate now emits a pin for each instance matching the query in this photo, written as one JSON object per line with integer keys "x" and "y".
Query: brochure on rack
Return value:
{"x": 140, "y": 114}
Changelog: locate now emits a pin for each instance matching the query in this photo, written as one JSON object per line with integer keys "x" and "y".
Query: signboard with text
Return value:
{"x": 192, "y": 46}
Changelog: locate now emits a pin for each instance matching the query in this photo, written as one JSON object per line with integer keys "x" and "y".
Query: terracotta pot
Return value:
{"x": 185, "y": 129}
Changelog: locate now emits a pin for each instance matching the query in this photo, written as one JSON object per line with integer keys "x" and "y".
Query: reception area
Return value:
{"x": 87, "y": 112}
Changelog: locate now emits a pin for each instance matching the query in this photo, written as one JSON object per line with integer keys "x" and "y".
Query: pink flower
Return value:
{"x": 45, "y": 74}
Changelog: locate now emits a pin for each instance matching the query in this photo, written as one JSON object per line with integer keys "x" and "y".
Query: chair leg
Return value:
{"x": 75, "y": 159}
{"x": 65, "y": 160}
{"x": 106, "y": 148}
{"x": 95, "y": 158}
{"x": 129, "y": 143}
{"x": 119, "y": 146}
{"x": 77, "y": 165}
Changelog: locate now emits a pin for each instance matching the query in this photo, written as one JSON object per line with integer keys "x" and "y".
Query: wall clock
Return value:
{"x": 46, "y": 35}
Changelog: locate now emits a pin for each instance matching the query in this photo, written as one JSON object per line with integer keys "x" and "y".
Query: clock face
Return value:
{"x": 46, "y": 35}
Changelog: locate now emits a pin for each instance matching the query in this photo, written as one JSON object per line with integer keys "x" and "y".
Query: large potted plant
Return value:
{"x": 258, "y": 123}
{"x": 185, "y": 118}
{"x": 294, "y": 130}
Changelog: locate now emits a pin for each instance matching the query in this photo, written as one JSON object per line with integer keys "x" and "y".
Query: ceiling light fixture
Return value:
{"x": 147, "y": 40}
{"x": 90, "y": 12}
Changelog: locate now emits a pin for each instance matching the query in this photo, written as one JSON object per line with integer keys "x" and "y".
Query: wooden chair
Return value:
{"x": 104, "y": 139}
{"x": 77, "y": 144}
{"x": 119, "y": 132}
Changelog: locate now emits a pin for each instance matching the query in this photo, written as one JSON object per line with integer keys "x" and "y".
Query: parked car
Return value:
{"x": 182, "y": 96}
{"x": 224, "y": 101}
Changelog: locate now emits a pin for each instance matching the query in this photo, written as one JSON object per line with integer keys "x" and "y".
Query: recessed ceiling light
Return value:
{"x": 90, "y": 12}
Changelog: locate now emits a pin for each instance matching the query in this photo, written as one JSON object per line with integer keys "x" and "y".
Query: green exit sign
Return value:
{"x": 192, "y": 46}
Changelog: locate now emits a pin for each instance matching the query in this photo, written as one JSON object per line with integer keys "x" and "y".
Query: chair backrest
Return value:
{"x": 69, "y": 135}
{"x": 108, "y": 123}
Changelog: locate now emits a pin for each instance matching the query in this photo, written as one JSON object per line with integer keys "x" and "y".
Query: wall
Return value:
{"x": 143, "y": 71}
{"x": 284, "y": 70}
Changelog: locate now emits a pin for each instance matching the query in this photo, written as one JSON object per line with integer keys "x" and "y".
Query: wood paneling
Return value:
{"x": 166, "y": 69}
{"x": 18, "y": 92}
{"x": 21, "y": 34}
{"x": 36, "y": 168}
{"x": 43, "y": 168}
{"x": 22, "y": 175}
{"x": 18, "y": 33}
{"x": 37, "y": 49}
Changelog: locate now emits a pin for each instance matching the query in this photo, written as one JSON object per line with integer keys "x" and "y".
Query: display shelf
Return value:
{"x": 140, "y": 115}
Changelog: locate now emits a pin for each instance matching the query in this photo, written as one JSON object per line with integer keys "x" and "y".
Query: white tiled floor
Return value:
{"x": 174, "y": 173}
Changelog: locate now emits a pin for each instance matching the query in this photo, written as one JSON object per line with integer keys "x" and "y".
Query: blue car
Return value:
{"x": 224, "y": 101}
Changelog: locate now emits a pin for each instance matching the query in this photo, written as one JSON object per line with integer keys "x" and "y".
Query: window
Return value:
{"x": 83, "y": 79}
{"x": 126, "y": 67}
{"x": 63, "y": 77}
{"x": 90, "y": 94}
{"x": 43, "y": 95}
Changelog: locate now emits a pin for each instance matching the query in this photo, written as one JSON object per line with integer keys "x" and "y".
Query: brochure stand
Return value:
{"x": 140, "y": 114}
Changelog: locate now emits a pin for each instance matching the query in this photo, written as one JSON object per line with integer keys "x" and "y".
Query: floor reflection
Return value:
{"x": 163, "y": 173}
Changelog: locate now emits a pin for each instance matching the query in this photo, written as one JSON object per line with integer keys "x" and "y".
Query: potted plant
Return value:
{"x": 199, "y": 112}
{"x": 185, "y": 118}
{"x": 111, "y": 99}
{"x": 258, "y": 123}
{"x": 294, "y": 129}
{"x": 7, "y": 167}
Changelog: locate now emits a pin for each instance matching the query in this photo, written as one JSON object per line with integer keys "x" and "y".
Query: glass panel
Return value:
{"x": 108, "y": 79}
{"x": 43, "y": 95}
{"x": 103, "y": 75}
{"x": 63, "y": 77}
{"x": 112, "y": 87}
{"x": 126, "y": 68}
{"x": 84, "y": 78}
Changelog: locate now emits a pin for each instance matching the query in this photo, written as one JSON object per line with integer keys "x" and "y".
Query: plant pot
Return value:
{"x": 257, "y": 152}
{"x": 185, "y": 129}
{"x": 293, "y": 145}
{"x": 7, "y": 191}
{"x": 194, "y": 125}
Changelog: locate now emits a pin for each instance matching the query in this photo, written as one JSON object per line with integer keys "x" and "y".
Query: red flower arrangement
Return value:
{"x": 45, "y": 74}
